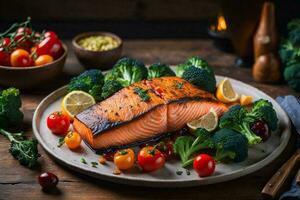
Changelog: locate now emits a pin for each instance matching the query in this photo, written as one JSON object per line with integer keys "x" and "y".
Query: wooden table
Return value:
{"x": 17, "y": 182}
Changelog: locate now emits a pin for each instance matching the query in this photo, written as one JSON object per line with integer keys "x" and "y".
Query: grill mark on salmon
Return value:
{"x": 124, "y": 118}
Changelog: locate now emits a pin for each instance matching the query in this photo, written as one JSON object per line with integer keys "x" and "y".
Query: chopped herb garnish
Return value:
{"x": 179, "y": 172}
{"x": 188, "y": 172}
{"x": 61, "y": 141}
{"x": 142, "y": 93}
{"x": 82, "y": 160}
{"x": 94, "y": 164}
{"x": 179, "y": 85}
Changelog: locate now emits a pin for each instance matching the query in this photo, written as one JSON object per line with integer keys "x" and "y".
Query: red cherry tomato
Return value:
{"x": 5, "y": 42}
{"x": 58, "y": 123}
{"x": 150, "y": 159}
{"x": 20, "y": 58}
{"x": 204, "y": 165}
{"x": 50, "y": 46}
{"x": 50, "y": 34}
{"x": 22, "y": 38}
{"x": 48, "y": 180}
{"x": 4, "y": 58}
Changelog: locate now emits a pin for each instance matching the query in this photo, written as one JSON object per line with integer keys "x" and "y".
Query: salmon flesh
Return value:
{"x": 144, "y": 110}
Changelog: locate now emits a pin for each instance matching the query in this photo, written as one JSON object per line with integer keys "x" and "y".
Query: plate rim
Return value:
{"x": 138, "y": 181}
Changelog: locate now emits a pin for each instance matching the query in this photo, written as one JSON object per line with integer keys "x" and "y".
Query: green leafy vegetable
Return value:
{"x": 186, "y": 146}
{"x": 110, "y": 87}
{"x": 230, "y": 145}
{"x": 10, "y": 116}
{"x": 61, "y": 141}
{"x": 159, "y": 70}
{"x": 289, "y": 52}
{"x": 127, "y": 71}
{"x": 142, "y": 93}
{"x": 90, "y": 81}
{"x": 82, "y": 160}
{"x": 239, "y": 119}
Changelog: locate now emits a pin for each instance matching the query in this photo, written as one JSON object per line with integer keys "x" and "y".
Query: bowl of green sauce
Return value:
{"x": 97, "y": 49}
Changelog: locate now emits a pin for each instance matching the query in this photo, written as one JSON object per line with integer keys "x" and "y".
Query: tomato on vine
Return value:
{"x": 150, "y": 159}
{"x": 20, "y": 58}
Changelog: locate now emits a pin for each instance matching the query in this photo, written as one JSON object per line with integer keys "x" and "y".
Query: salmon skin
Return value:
{"x": 144, "y": 110}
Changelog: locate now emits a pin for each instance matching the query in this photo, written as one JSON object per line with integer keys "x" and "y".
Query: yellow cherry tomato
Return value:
{"x": 124, "y": 159}
{"x": 73, "y": 140}
{"x": 43, "y": 59}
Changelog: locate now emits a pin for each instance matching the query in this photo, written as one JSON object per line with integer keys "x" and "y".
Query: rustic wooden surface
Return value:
{"x": 17, "y": 182}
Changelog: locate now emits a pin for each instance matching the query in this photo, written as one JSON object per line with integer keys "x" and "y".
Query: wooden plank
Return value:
{"x": 17, "y": 182}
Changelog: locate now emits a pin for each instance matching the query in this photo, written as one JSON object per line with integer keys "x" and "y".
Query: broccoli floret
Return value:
{"x": 292, "y": 76}
{"x": 236, "y": 119}
{"x": 128, "y": 71}
{"x": 90, "y": 81}
{"x": 11, "y": 117}
{"x": 159, "y": 70}
{"x": 263, "y": 110}
{"x": 186, "y": 146}
{"x": 201, "y": 78}
{"x": 110, "y": 87}
{"x": 199, "y": 63}
{"x": 230, "y": 145}
{"x": 180, "y": 69}
{"x": 10, "y": 104}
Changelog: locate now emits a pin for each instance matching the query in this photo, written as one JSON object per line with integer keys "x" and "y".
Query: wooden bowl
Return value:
{"x": 30, "y": 77}
{"x": 97, "y": 59}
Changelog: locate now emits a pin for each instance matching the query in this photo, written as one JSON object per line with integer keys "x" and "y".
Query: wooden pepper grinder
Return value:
{"x": 267, "y": 65}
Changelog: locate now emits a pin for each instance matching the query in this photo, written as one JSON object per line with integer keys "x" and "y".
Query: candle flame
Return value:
{"x": 221, "y": 26}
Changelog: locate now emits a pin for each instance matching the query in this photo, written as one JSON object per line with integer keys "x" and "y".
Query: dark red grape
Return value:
{"x": 48, "y": 180}
{"x": 261, "y": 129}
{"x": 109, "y": 156}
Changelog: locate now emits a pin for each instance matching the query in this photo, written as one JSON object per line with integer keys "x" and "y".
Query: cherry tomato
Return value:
{"x": 43, "y": 59}
{"x": 48, "y": 180}
{"x": 50, "y": 34}
{"x": 204, "y": 165}
{"x": 73, "y": 140}
{"x": 124, "y": 159}
{"x": 50, "y": 46}
{"x": 22, "y": 38}
{"x": 4, "y": 58}
{"x": 20, "y": 58}
{"x": 150, "y": 159}
{"x": 58, "y": 123}
{"x": 5, "y": 42}
{"x": 166, "y": 149}
{"x": 109, "y": 156}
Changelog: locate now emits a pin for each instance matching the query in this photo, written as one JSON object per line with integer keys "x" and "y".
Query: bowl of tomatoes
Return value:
{"x": 28, "y": 57}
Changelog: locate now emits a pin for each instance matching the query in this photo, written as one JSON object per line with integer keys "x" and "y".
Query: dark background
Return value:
{"x": 128, "y": 18}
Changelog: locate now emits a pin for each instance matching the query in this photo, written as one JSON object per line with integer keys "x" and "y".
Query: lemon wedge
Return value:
{"x": 225, "y": 92}
{"x": 75, "y": 102}
{"x": 208, "y": 121}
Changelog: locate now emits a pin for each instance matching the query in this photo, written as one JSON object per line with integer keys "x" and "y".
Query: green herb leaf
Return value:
{"x": 94, "y": 164}
{"x": 61, "y": 141}
{"x": 179, "y": 172}
{"x": 142, "y": 93}
{"x": 82, "y": 160}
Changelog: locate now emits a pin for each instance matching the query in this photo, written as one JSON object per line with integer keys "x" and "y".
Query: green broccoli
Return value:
{"x": 186, "y": 146}
{"x": 292, "y": 76}
{"x": 289, "y": 52}
{"x": 236, "y": 119}
{"x": 127, "y": 71}
{"x": 230, "y": 145}
{"x": 11, "y": 117}
{"x": 200, "y": 77}
{"x": 90, "y": 81}
{"x": 109, "y": 88}
{"x": 199, "y": 63}
{"x": 263, "y": 110}
{"x": 180, "y": 69}
{"x": 158, "y": 70}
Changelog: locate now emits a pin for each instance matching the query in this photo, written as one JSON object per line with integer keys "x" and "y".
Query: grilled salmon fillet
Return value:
{"x": 165, "y": 104}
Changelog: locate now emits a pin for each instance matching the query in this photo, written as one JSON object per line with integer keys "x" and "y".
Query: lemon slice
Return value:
{"x": 208, "y": 121}
{"x": 225, "y": 92}
{"x": 75, "y": 102}
{"x": 246, "y": 100}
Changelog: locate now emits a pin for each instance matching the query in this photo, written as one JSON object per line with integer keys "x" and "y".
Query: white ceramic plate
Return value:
{"x": 259, "y": 156}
